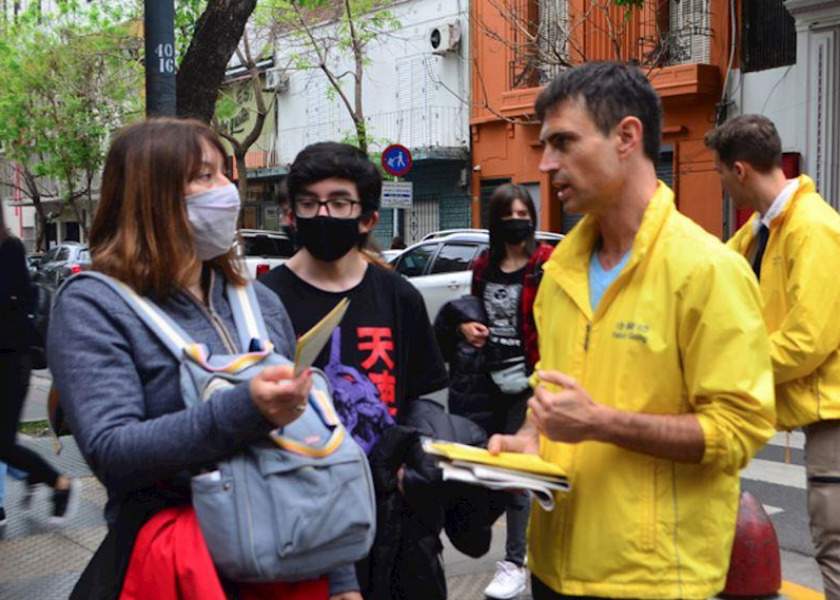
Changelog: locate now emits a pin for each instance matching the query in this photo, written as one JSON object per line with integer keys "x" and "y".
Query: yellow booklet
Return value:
{"x": 311, "y": 343}
{"x": 512, "y": 461}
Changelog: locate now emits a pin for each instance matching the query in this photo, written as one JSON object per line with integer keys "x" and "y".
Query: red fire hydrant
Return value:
{"x": 755, "y": 569}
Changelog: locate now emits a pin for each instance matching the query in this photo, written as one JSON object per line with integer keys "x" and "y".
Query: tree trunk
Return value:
{"x": 41, "y": 223}
{"x": 41, "y": 219}
{"x": 242, "y": 184}
{"x": 217, "y": 34}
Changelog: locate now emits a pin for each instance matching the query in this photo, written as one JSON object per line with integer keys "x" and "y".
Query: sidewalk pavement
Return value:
{"x": 43, "y": 563}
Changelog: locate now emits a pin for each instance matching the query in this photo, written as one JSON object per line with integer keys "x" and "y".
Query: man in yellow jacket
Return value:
{"x": 654, "y": 385}
{"x": 793, "y": 243}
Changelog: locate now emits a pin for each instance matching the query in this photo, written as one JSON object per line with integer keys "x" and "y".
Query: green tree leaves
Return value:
{"x": 70, "y": 79}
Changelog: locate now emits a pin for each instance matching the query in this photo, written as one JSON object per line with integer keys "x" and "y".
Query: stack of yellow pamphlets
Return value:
{"x": 505, "y": 471}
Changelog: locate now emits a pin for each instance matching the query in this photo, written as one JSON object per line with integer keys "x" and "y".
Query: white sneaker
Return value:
{"x": 509, "y": 582}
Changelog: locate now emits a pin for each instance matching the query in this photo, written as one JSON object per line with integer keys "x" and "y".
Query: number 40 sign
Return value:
{"x": 166, "y": 58}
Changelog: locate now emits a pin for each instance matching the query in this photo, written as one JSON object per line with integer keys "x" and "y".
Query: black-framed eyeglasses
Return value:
{"x": 340, "y": 208}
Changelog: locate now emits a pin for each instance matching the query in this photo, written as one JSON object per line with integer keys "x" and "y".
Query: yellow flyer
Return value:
{"x": 311, "y": 343}
{"x": 513, "y": 461}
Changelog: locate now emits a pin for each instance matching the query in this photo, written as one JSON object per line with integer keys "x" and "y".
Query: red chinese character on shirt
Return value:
{"x": 386, "y": 383}
{"x": 381, "y": 342}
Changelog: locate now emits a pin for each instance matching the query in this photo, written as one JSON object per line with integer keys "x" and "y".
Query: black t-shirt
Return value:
{"x": 382, "y": 354}
{"x": 502, "y": 298}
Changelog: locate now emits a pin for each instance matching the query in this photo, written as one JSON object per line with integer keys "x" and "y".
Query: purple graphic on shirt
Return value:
{"x": 356, "y": 399}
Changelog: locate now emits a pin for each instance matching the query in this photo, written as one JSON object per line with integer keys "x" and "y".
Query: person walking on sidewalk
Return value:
{"x": 793, "y": 243}
{"x": 641, "y": 316}
{"x": 505, "y": 281}
{"x": 16, "y": 298}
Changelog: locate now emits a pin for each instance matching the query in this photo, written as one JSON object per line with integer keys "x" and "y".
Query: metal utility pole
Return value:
{"x": 159, "y": 24}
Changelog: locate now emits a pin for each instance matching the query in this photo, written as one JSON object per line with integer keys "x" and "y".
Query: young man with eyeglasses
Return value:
{"x": 383, "y": 354}
{"x": 385, "y": 345}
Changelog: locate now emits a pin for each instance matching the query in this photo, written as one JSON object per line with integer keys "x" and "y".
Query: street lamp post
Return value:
{"x": 159, "y": 24}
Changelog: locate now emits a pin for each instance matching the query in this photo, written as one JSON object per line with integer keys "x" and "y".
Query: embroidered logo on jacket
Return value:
{"x": 631, "y": 330}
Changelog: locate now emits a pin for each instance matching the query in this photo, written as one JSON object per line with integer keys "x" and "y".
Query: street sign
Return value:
{"x": 396, "y": 160}
{"x": 397, "y": 194}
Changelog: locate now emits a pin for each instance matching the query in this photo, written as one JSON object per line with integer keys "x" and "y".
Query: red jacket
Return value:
{"x": 533, "y": 276}
{"x": 170, "y": 561}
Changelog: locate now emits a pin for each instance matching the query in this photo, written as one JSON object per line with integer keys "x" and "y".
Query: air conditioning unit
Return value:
{"x": 445, "y": 37}
{"x": 276, "y": 80}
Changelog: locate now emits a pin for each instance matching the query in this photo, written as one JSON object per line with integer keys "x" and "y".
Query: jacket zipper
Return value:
{"x": 216, "y": 321}
{"x": 566, "y": 518}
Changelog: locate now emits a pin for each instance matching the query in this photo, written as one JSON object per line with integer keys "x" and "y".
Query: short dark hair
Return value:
{"x": 610, "y": 91}
{"x": 749, "y": 138}
{"x": 331, "y": 159}
{"x": 498, "y": 208}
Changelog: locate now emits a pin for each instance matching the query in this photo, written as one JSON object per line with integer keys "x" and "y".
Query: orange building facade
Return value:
{"x": 505, "y": 138}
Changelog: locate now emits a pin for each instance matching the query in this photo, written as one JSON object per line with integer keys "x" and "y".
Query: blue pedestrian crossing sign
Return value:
{"x": 396, "y": 160}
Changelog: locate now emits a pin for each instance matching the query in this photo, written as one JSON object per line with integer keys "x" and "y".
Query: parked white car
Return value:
{"x": 389, "y": 256}
{"x": 262, "y": 250}
{"x": 440, "y": 265}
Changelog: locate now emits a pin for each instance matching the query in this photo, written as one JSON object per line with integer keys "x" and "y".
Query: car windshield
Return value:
{"x": 413, "y": 262}
{"x": 453, "y": 257}
{"x": 268, "y": 246}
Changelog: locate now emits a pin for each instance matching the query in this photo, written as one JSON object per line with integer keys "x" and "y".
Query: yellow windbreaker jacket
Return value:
{"x": 679, "y": 331}
{"x": 800, "y": 288}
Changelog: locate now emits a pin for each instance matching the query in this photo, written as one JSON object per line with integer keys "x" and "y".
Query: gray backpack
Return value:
{"x": 293, "y": 507}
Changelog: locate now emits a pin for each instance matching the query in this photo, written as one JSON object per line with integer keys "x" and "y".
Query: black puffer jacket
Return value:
{"x": 405, "y": 562}
{"x": 469, "y": 385}
{"x": 15, "y": 297}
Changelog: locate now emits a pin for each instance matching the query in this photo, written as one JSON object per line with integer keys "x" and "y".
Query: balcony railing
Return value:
{"x": 689, "y": 35}
{"x": 436, "y": 126}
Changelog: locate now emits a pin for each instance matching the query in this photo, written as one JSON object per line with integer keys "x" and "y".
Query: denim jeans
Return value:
{"x": 2, "y": 483}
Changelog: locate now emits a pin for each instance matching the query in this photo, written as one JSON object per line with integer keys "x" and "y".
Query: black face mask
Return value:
{"x": 514, "y": 231}
{"x": 328, "y": 238}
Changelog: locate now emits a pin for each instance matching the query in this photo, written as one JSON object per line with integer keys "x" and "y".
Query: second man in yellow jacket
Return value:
{"x": 793, "y": 243}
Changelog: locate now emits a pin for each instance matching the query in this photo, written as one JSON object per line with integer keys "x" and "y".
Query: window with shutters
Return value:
{"x": 322, "y": 111}
{"x": 538, "y": 41}
{"x": 689, "y": 35}
{"x": 417, "y": 90}
{"x": 768, "y": 35}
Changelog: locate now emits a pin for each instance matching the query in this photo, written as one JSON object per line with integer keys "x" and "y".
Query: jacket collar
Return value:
{"x": 806, "y": 186}
{"x": 569, "y": 264}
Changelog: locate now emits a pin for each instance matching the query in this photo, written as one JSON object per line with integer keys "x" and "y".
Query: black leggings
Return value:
{"x": 15, "y": 368}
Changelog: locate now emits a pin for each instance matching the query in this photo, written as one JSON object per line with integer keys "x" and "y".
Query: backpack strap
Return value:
{"x": 248, "y": 318}
{"x": 168, "y": 331}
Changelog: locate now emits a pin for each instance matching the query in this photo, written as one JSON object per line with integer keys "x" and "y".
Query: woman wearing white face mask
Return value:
{"x": 164, "y": 228}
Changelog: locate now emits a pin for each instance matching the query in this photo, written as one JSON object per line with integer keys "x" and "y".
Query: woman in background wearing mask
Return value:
{"x": 165, "y": 227}
{"x": 498, "y": 319}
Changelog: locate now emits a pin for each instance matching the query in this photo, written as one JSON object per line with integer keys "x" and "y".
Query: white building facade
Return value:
{"x": 801, "y": 96}
{"x": 415, "y": 93}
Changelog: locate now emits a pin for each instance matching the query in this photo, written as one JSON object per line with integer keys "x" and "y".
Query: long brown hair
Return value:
{"x": 501, "y": 203}
{"x": 141, "y": 234}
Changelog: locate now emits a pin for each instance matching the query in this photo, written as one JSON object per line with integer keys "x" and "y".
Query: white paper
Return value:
{"x": 537, "y": 489}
